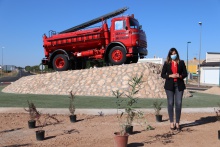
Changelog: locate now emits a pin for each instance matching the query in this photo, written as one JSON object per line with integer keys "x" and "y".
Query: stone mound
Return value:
{"x": 94, "y": 82}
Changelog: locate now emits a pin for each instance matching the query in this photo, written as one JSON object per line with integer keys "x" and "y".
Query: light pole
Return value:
{"x": 219, "y": 75}
{"x": 187, "y": 62}
{"x": 218, "y": 60}
{"x": 200, "y": 46}
{"x": 2, "y": 60}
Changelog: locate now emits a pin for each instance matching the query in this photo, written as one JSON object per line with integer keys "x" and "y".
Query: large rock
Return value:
{"x": 94, "y": 82}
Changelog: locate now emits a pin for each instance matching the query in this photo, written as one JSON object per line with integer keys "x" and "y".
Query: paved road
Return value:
{"x": 195, "y": 87}
{"x": 21, "y": 73}
{"x": 98, "y": 111}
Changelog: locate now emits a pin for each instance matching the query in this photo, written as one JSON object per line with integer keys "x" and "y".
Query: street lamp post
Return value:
{"x": 219, "y": 75}
{"x": 2, "y": 60}
{"x": 200, "y": 46}
{"x": 187, "y": 62}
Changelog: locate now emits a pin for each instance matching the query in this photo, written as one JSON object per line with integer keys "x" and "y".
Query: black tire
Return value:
{"x": 117, "y": 55}
{"x": 60, "y": 63}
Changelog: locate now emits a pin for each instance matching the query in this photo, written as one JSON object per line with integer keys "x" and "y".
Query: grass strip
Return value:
{"x": 198, "y": 100}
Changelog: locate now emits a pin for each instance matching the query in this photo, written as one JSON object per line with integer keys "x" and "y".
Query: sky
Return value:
{"x": 167, "y": 24}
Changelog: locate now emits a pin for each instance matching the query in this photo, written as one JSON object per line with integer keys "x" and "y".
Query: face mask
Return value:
{"x": 173, "y": 57}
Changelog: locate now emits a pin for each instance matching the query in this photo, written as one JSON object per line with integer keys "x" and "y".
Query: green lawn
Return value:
{"x": 60, "y": 101}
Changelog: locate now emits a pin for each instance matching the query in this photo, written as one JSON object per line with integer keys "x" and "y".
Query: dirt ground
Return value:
{"x": 213, "y": 90}
{"x": 199, "y": 129}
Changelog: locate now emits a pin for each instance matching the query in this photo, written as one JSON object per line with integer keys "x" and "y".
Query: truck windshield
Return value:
{"x": 134, "y": 24}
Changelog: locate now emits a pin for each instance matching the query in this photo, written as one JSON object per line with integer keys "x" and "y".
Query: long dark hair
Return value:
{"x": 170, "y": 53}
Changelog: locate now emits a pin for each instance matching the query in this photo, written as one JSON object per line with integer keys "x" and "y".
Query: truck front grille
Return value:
{"x": 143, "y": 44}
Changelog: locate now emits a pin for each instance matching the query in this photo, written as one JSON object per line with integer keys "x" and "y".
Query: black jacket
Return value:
{"x": 166, "y": 71}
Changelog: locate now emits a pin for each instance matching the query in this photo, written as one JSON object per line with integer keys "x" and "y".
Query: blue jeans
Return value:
{"x": 174, "y": 96}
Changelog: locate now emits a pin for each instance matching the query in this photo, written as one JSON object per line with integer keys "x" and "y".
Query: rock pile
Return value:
{"x": 94, "y": 82}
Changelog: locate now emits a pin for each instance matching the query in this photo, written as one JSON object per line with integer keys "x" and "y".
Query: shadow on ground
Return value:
{"x": 135, "y": 144}
{"x": 201, "y": 121}
{"x": 17, "y": 145}
{"x": 5, "y": 131}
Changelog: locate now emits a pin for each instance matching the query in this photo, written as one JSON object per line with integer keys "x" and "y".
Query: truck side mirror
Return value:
{"x": 140, "y": 27}
{"x": 126, "y": 28}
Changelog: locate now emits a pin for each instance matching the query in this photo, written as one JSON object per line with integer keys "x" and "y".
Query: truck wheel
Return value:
{"x": 60, "y": 63}
{"x": 117, "y": 55}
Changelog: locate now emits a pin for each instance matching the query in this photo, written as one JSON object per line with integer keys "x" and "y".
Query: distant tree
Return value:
{"x": 48, "y": 69}
{"x": 19, "y": 67}
{"x": 27, "y": 68}
{"x": 35, "y": 68}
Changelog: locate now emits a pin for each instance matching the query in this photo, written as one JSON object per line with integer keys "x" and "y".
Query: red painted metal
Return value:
{"x": 117, "y": 55}
{"x": 59, "y": 62}
{"x": 95, "y": 43}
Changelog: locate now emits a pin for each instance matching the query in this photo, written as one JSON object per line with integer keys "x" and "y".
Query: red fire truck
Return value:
{"x": 123, "y": 43}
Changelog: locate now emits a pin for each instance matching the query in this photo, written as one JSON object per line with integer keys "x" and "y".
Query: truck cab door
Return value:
{"x": 121, "y": 34}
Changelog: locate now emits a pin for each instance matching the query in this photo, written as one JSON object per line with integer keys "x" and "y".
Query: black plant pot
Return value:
{"x": 219, "y": 134}
{"x": 73, "y": 118}
{"x": 129, "y": 129}
{"x": 158, "y": 118}
{"x": 32, "y": 124}
{"x": 40, "y": 135}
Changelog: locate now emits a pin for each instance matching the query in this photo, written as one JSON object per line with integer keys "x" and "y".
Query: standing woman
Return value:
{"x": 174, "y": 71}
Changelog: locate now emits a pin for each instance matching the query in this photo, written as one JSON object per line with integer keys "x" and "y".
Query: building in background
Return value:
{"x": 152, "y": 60}
{"x": 8, "y": 68}
{"x": 193, "y": 65}
{"x": 210, "y": 69}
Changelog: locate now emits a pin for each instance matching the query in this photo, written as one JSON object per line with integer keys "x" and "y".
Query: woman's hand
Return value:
{"x": 174, "y": 75}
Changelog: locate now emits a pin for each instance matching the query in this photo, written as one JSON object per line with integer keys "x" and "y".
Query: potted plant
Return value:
{"x": 33, "y": 114}
{"x": 40, "y": 133}
{"x": 72, "y": 107}
{"x": 120, "y": 137}
{"x": 126, "y": 127}
{"x": 157, "y": 108}
{"x": 134, "y": 86}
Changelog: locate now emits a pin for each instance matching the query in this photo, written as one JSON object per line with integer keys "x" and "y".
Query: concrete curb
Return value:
{"x": 98, "y": 111}
{"x": 6, "y": 82}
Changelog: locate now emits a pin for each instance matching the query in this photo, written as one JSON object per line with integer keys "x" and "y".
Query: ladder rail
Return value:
{"x": 96, "y": 20}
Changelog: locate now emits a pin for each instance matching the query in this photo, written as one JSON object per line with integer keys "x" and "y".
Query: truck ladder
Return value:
{"x": 96, "y": 20}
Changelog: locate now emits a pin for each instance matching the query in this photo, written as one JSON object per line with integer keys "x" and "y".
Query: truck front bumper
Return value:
{"x": 44, "y": 61}
{"x": 142, "y": 51}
